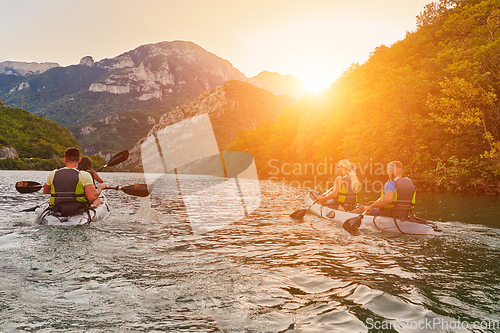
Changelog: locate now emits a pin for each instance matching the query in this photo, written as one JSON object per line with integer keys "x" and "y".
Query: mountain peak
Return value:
{"x": 25, "y": 68}
{"x": 278, "y": 84}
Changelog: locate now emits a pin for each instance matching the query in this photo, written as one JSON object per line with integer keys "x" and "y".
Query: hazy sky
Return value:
{"x": 315, "y": 40}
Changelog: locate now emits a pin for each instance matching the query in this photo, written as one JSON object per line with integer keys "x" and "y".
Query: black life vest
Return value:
{"x": 67, "y": 193}
{"x": 404, "y": 199}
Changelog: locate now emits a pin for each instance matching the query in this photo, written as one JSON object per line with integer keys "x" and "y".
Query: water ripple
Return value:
{"x": 143, "y": 270}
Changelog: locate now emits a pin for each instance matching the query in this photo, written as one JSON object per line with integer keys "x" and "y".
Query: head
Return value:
{"x": 395, "y": 169}
{"x": 344, "y": 166}
{"x": 72, "y": 156}
{"x": 85, "y": 164}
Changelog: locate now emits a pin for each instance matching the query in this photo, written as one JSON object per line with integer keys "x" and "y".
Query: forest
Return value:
{"x": 39, "y": 143}
{"x": 429, "y": 101}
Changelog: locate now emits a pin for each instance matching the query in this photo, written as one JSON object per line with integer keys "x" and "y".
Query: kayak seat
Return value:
{"x": 69, "y": 208}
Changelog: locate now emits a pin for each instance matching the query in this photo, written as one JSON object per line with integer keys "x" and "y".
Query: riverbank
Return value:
{"x": 489, "y": 184}
{"x": 40, "y": 164}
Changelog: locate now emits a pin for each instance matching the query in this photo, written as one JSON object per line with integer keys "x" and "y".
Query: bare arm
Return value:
{"x": 382, "y": 202}
{"x": 96, "y": 176}
{"x": 46, "y": 189}
{"x": 333, "y": 194}
{"x": 93, "y": 193}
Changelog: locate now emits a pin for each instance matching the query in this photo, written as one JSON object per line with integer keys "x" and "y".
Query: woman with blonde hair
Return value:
{"x": 343, "y": 196}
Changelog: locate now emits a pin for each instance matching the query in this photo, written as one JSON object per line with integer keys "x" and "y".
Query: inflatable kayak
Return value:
{"x": 47, "y": 217}
{"x": 412, "y": 226}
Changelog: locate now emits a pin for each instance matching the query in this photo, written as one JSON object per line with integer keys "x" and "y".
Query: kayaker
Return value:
{"x": 397, "y": 198}
{"x": 71, "y": 189}
{"x": 86, "y": 165}
{"x": 343, "y": 196}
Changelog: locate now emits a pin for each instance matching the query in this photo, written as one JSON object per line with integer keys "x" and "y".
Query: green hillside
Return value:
{"x": 430, "y": 101}
{"x": 33, "y": 138}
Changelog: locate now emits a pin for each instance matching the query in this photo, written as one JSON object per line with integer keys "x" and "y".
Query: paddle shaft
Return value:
{"x": 299, "y": 214}
{"x": 318, "y": 199}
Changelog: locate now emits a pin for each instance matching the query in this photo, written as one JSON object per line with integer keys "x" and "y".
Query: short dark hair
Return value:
{"x": 398, "y": 165}
{"x": 72, "y": 154}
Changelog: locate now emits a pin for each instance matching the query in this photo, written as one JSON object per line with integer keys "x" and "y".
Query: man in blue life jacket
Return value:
{"x": 398, "y": 197}
{"x": 70, "y": 189}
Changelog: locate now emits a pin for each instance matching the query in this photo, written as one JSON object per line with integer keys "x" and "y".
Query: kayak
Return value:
{"x": 411, "y": 226}
{"x": 47, "y": 217}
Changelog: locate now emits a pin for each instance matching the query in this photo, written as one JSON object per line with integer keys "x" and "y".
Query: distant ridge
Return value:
{"x": 278, "y": 84}
{"x": 151, "y": 79}
{"x": 25, "y": 68}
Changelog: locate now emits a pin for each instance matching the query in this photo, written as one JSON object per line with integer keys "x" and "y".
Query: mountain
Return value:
{"x": 232, "y": 107}
{"x": 278, "y": 84}
{"x": 25, "y": 68}
{"x": 152, "y": 79}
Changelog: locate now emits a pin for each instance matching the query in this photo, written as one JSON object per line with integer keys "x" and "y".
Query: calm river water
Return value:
{"x": 146, "y": 271}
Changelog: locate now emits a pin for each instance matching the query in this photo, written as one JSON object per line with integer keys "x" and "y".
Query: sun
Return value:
{"x": 314, "y": 85}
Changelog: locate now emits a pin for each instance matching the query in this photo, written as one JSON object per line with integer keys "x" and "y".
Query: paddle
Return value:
{"x": 352, "y": 225}
{"x": 299, "y": 214}
{"x": 138, "y": 190}
{"x": 32, "y": 209}
{"x": 117, "y": 159}
{"x": 28, "y": 187}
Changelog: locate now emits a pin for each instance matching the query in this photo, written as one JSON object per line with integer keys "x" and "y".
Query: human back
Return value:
{"x": 71, "y": 190}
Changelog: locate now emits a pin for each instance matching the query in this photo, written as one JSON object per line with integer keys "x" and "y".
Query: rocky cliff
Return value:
{"x": 160, "y": 70}
{"x": 232, "y": 107}
{"x": 152, "y": 78}
{"x": 25, "y": 68}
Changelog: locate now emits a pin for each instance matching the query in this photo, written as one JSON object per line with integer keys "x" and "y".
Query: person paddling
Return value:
{"x": 346, "y": 185}
{"x": 70, "y": 189}
{"x": 398, "y": 197}
{"x": 86, "y": 165}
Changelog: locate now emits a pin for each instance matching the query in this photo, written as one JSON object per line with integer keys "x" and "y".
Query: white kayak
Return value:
{"x": 411, "y": 226}
{"x": 47, "y": 217}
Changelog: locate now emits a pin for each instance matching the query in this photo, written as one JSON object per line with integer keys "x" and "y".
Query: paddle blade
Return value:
{"x": 118, "y": 158}
{"x": 352, "y": 225}
{"x": 32, "y": 209}
{"x": 138, "y": 190}
{"x": 299, "y": 214}
{"x": 28, "y": 187}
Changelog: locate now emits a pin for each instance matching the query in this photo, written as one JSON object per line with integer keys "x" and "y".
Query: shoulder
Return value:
{"x": 390, "y": 186}
{"x": 50, "y": 178}
{"x": 85, "y": 178}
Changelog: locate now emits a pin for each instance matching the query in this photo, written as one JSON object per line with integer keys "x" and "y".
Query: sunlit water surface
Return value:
{"x": 145, "y": 271}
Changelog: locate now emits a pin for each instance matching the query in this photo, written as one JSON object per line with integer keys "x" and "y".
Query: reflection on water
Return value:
{"x": 144, "y": 270}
